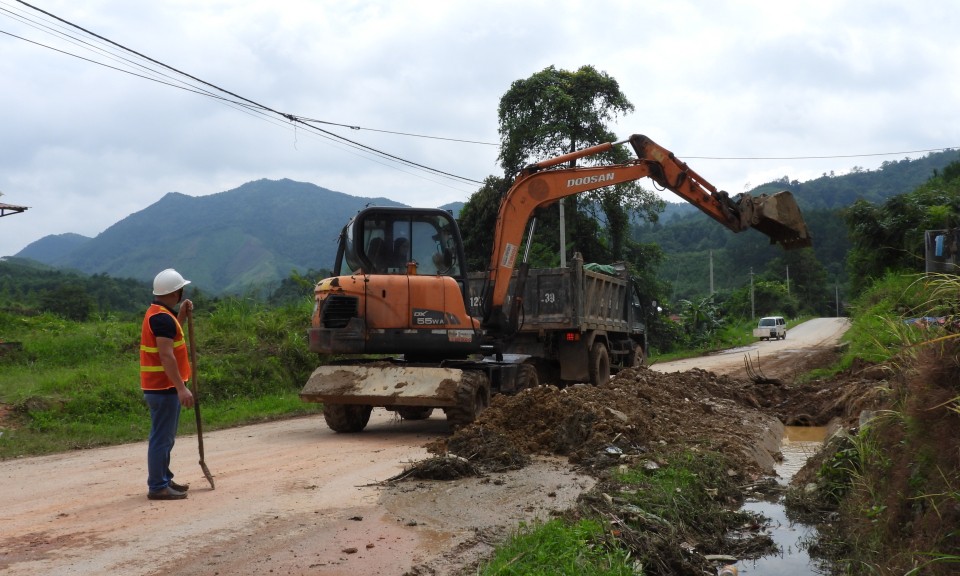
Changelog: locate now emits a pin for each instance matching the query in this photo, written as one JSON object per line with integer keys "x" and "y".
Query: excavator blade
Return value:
{"x": 778, "y": 217}
{"x": 383, "y": 384}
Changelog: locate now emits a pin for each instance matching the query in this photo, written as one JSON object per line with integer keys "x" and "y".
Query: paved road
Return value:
{"x": 812, "y": 334}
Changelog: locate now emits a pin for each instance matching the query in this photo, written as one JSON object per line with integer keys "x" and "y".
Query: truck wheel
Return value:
{"x": 527, "y": 377}
{"x": 473, "y": 397}
{"x": 414, "y": 412}
{"x": 346, "y": 417}
{"x": 599, "y": 364}
{"x": 636, "y": 358}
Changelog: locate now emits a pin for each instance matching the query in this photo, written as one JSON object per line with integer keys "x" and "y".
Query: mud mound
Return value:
{"x": 597, "y": 426}
{"x": 447, "y": 467}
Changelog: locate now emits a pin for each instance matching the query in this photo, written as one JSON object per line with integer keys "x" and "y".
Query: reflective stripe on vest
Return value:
{"x": 152, "y": 376}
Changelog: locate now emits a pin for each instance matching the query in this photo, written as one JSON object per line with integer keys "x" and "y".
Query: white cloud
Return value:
{"x": 85, "y": 146}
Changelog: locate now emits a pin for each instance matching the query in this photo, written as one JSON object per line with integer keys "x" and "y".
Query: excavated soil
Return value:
{"x": 594, "y": 427}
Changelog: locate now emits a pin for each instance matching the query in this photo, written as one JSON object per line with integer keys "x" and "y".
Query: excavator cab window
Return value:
{"x": 385, "y": 240}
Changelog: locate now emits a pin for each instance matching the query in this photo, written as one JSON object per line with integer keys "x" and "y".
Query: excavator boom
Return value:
{"x": 538, "y": 184}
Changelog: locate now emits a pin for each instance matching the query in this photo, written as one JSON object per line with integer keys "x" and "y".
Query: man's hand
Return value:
{"x": 186, "y": 307}
{"x": 185, "y": 396}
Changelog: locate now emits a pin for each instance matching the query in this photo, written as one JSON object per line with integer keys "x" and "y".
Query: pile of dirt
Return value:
{"x": 596, "y": 426}
{"x": 641, "y": 409}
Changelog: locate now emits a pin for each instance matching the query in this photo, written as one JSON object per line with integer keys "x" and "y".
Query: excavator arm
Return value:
{"x": 537, "y": 185}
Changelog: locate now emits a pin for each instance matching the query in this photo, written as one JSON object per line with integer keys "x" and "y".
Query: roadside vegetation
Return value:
{"x": 69, "y": 384}
{"x": 632, "y": 522}
{"x": 887, "y": 492}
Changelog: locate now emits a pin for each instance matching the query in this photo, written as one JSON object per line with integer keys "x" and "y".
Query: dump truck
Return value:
{"x": 397, "y": 312}
{"x": 579, "y": 324}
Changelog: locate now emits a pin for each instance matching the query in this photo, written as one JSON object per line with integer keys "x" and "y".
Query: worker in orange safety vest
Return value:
{"x": 164, "y": 372}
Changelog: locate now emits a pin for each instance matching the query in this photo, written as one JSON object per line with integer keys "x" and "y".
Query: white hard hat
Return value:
{"x": 168, "y": 282}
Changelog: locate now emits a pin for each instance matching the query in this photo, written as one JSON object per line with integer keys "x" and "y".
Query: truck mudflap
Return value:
{"x": 383, "y": 384}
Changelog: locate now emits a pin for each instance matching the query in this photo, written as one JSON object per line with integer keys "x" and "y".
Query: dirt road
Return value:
{"x": 292, "y": 497}
{"x": 780, "y": 357}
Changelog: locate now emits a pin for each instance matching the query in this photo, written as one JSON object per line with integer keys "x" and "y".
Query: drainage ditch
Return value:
{"x": 793, "y": 538}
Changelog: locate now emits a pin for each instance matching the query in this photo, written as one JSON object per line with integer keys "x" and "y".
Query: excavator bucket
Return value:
{"x": 778, "y": 217}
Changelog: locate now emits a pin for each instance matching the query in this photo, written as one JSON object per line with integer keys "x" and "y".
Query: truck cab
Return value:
{"x": 771, "y": 327}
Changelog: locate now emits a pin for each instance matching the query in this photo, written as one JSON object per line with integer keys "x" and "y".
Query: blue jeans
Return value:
{"x": 164, "y": 419}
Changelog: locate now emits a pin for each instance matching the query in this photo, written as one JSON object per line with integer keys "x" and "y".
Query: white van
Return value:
{"x": 771, "y": 327}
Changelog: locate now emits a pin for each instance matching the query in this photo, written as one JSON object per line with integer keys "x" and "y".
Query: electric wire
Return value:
{"x": 827, "y": 157}
{"x": 309, "y": 124}
{"x": 246, "y": 102}
{"x": 412, "y": 135}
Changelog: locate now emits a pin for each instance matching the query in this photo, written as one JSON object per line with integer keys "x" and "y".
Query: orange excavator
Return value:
{"x": 411, "y": 335}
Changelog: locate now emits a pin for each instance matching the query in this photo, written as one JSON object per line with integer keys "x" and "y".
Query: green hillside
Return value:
{"x": 254, "y": 236}
{"x": 225, "y": 242}
{"x": 688, "y": 236}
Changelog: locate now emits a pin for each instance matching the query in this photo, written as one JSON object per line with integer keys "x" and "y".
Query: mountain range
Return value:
{"x": 224, "y": 243}
{"x": 260, "y": 232}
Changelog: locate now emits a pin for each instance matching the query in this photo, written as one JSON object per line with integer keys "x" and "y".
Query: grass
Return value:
{"x": 637, "y": 521}
{"x": 579, "y": 548}
{"x": 75, "y": 385}
{"x": 894, "y": 482}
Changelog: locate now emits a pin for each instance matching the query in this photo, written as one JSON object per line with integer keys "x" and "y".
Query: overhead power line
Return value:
{"x": 310, "y": 125}
{"x": 306, "y": 123}
{"x": 829, "y": 157}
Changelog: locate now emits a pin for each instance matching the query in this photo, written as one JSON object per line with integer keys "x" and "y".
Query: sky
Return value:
{"x": 744, "y": 91}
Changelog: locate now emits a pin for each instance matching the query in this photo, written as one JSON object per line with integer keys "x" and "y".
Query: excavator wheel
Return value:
{"x": 414, "y": 412}
{"x": 599, "y": 367}
{"x": 473, "y": 397}
{"x": 527, "y": 378}
{"x": 346, "y": 418}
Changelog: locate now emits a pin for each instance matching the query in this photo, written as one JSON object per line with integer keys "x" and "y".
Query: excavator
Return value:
{"x": 410, "y": 335}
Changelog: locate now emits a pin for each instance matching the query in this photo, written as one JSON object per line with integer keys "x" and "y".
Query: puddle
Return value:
{"x": 799, "y": 444}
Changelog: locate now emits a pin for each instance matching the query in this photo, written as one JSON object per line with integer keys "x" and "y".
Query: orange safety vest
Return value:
{"x": 152, "y": 376}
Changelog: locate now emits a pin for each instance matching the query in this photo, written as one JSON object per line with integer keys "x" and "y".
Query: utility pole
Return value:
{"x": 836, "y": 291}
{"x": 753, "y": 314}
{"x": 563, "y": 219}
{"x": 788, "y": 280}
{"x": 563, "y": 237}
{"x": 711, "y": 272}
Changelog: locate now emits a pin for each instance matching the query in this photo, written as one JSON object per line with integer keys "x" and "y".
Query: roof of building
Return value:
{"x": 8, "y": 209}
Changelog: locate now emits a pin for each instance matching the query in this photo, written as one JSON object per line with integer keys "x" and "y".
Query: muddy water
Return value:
{"x": 799, "y": 444}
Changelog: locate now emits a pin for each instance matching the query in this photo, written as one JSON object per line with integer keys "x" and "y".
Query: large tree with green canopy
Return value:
{"x": 550, "y": 113}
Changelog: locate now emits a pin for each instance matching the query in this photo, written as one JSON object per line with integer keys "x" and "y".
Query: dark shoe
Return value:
{"x": 178, "y": 487}
{"x": 167, "y": 493}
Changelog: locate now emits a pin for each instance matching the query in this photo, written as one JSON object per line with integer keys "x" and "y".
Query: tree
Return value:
{"x": 701, "y": 318}
{"x": 768, "y": 297}
{"x": 890, "y": 237}
{"x": 807, "y": 281}
{"x": 477, "y": 218}
{"x": 68, "y": 301}
{"x": 297, "y": 287}
{"x": 556, "y": 112}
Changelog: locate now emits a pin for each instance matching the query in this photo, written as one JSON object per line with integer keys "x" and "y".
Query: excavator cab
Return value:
{"x": 414, "y": 241}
